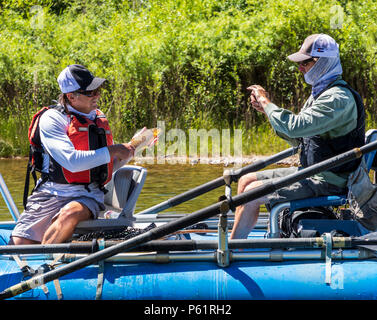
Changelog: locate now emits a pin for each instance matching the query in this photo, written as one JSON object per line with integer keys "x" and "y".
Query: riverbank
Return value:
{"x": 225, "y": 161}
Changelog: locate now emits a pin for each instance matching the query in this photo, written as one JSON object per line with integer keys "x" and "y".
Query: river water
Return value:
{"x": 163, "y": 182}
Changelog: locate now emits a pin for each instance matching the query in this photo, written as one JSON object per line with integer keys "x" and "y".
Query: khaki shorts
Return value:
{"x": 42, "y": 208}
{"x": 307, "y": 188}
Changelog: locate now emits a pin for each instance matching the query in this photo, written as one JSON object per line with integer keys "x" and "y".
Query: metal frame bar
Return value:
{"x": 222, "y": 253}
{"x": 211, "y": 256}
{"x": 8, "y": 199}
{"x": 274, "y": 219}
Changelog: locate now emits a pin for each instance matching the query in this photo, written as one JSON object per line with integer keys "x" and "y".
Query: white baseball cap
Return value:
{"x": 77, "y": 77}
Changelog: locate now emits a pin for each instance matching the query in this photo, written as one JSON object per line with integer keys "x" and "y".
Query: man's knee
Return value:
{"x": 246, "y": 180}
{"x": 253, "y": 185}
{"x": 73, "y": 213}
{"x": 19, "y": 241}
{"x": 259, "y": 201}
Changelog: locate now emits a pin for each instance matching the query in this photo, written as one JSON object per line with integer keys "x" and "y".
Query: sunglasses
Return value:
{"x": 306, "y": 62}
{"x": 91, "y": 93}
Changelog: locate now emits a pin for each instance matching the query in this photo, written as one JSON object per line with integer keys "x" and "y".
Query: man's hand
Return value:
{"x": 122, "y": 151}
{"x": 145, "y": 138}
{"x": 258, "y": 97}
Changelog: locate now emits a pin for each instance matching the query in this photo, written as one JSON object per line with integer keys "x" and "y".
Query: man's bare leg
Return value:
{"x": 64, "y": 225}
{"x": 246, "y": 216}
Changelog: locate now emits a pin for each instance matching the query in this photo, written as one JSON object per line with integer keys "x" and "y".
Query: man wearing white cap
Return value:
{"x": 331, "y": 122}
{"x": 78, "y": 156}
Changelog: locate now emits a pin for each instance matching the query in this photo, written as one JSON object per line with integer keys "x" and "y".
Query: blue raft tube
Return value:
{"x": 273, "y": 274}
{"x": 204, "y": 265}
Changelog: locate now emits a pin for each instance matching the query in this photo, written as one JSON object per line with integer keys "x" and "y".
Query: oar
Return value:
{"x": 218, "y": 182}
{"x": 170, "y": 227}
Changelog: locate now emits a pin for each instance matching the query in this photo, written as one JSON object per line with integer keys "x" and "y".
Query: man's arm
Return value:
{"x": 332, "y": 111}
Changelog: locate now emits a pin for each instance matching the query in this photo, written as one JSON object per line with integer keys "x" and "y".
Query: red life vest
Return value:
{"x": 85, "y": 135}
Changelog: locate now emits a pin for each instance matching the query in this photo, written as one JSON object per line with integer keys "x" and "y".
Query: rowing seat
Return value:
{"x": 325, "y": 201}
{"x": 123, "y": 191}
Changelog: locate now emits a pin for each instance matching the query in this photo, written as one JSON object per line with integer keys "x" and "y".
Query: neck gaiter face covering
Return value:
{"x": 324, "y": 71}
{"x": 91, "y": 115}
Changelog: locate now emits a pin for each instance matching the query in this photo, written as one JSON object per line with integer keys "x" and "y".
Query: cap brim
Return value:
{"x": 97, "y": 82}
{"x": 298, "y": 56}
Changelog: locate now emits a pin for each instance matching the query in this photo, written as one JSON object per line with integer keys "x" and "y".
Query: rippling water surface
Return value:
{"x": 163, "y": 182}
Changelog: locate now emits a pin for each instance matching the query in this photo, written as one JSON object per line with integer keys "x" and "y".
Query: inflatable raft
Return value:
{"x": 196, "y": 274}
{"x": 158, "y": 256}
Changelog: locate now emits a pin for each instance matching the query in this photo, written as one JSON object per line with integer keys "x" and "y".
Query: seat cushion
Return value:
{"x": 118, "y": 189}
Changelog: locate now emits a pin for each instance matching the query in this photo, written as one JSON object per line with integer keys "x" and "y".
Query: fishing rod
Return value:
{"x": 170, "y": 227}
{"x": 88, "y": 247}
{"x": 218, "y": 182}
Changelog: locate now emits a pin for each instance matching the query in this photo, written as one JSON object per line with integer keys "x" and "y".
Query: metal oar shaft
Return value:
{"x": 218, "y": 182}
{"x": 261, "y": 164}
{"x": 170, "y": 227}
{"x": 307, "y": 172}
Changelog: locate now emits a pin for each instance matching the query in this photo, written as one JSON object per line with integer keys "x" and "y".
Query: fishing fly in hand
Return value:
{"x": 145, "y": 138}
{"x": 259, "y": 97}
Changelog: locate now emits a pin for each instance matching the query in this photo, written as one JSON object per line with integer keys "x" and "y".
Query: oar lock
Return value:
{"x": 229, "y": 176}
{"x": 225, "y": 206}
{"x": 29, "y": 272}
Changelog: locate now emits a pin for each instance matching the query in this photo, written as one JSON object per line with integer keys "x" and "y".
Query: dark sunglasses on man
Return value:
{"x": 306, "y": 62}
{"x": 91, "y": 93}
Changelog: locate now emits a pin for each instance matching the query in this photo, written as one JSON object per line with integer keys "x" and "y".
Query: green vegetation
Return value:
{"x": 187, "y": 62}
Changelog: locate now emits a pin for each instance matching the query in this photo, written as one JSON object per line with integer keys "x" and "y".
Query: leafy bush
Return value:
{"x": 185, "y": 62}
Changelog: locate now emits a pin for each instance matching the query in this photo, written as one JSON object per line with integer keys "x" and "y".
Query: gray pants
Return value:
{"x": 42, "y": 208}
{"x": 307, "y": 188}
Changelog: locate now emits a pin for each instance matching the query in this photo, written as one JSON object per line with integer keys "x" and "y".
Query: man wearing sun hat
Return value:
{"x": 77, "y": 160}
{"x": 331, "y": 122}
